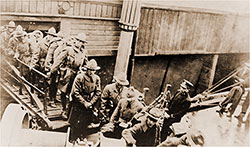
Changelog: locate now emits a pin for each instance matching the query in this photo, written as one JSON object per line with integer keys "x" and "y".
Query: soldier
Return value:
{"x": 37, "y": 52}
{"x": 20, "y": 44}
{"x": 111, "y": 95}
{"x": 124, "y": 112}
{"x": 86, "y": 91}
{"x": 177, "y": 107}
{"x": 143, "y": 133}
{"x": 69, "y": 59}
{"x": 233, "y": 97}
{"x": 6, "y": 35}
{"x": 56, "y": 43}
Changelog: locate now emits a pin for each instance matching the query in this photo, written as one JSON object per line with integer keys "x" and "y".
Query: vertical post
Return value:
{"x": 129, "y": 22}
{"x": 21, "y": 74}
{"x": 212, "y": 71}
{"x": 45, "y": 98}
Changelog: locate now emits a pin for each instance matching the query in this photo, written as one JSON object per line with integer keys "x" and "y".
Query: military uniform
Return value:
{"x": 21, "y": 48}
{"x": 5, "y": 38}
{"x": 124, "y": 112}
{"x": 86, "y": 91}
{"x": 143, "y": 134}
{"x": 110, "y": 97}
{"x": 55, "y": 44}
{"x": 177, "y": 107}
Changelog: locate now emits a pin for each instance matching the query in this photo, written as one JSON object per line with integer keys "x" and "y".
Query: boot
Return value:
{"x": 64, "y": 115}
{"x": 52, "y": 104}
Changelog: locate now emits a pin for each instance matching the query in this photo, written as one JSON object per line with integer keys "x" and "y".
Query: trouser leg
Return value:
{"x": 236, "y": 99}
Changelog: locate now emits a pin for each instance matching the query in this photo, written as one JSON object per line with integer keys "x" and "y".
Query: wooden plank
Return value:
{"x": 82, "y": 9}
{"x": 119, "y": 10}
{"x": 93, "y": 10}
{"x": 25, "y": 6}
{"x": 103, "y": 43}
{"x": 94, "y": 22}
{"x": 141, "y": 32}
{"x": 76, "y": 8}
{"x": 3, "y": 5}
{"x": 102, "y": 52}
{"x": 103, "y": 38}
{"x": 12, "y": 5}
{"x": 18, "y": 6}
{"x": 157, "y": 28}
{"x": 166, "y": 21}
{"x": 48, "y": 7}
{"x": 33, "y": 6}
{"x": 93, "y": 47}
{"x": 98, "y": 10}
{"x": 94, "y": 27}
{"x": 87, "y": 9}
{"x": 104, "y": 11}
{"x": 8, "y": 6}
{"x": 151, "y": 31}
{"x": 148, "y": 31}
{"x": 40, "y": 6}
{"x": 114, "y": 12}
{"x": 97, "y": 33}
{"x": 54, "y": 7}
{"x": 109, "y": 11}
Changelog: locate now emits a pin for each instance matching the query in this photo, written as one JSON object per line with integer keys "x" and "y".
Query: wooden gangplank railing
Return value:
{"x": 16, "y": 74}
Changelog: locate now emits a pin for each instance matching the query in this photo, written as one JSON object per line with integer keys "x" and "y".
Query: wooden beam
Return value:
{"x": 55, "y": 16}
{"x": 212, "y": 71}
{"x": 124, "y": 50}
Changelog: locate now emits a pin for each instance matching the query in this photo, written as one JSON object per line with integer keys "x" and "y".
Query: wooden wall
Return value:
{"x": 102, "y": 35}
{"x": 97, "y": 18}
{"x": 92, "y": 8}
{"x": 167, "y": 31}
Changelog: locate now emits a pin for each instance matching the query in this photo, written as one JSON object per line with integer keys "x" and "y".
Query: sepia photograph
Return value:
{"x": 124, "y": 73}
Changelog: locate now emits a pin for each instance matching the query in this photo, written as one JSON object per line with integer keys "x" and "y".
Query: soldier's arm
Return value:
{"x": 130, "y": 134}
{"x": 2, "y": 47}
{"x": 59, "y": 60}
{"x": 35, "y": 57}
{"x": 115, "y": 116}
{"x": 50, "y": 54}
{"x": 77, "y": 90}
{"x": 10, "y": 50}
{"x": 104, "y": 96}
{"x": 98, "y": 91}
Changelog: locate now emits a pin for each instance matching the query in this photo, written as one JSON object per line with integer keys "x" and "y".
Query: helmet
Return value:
{"x": 52, "y": 31}
{"x": 81, "y": 37}
{"x": 12, "y": 24}
{"x": 60, "y": 34}
{"x": 39, "y": 33}
{"x": 20, "y": 33}
{"x": 19, "y": 28}
{"x": 155, "y": 113}
{"x": 92, "y": 65}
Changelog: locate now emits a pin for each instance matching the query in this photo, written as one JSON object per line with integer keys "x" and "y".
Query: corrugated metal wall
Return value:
{"x": 165, "y": 31}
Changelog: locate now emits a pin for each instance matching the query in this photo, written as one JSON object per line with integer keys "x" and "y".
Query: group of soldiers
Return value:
{"x": 84, "y": 105}
{"x": 119, "y": 109}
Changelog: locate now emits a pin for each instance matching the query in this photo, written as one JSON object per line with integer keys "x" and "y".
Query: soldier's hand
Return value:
{"x": 88, "y": 105}
{"x": 49, "y": 74}
{"x": 16, "y": 56}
